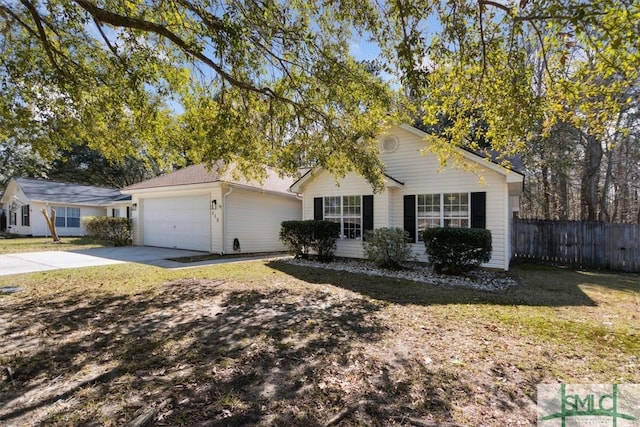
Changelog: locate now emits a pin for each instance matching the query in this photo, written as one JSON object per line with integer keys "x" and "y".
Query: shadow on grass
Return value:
{"x": 538, "y": 286}
{"x": 218, "y": 354}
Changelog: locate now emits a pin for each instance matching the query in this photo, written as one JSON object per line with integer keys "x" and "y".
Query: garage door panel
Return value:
{"x": 178, "y": 222}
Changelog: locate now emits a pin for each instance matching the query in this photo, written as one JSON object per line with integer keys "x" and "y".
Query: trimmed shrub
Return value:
{"x": 302, "y": 236}
{"x": 325, "y": 234}
{"x": 457, "y": 250}
{"x": 387, "y": 247}
{"x": 116, "y": 231}
{"x": 297, "y": 236}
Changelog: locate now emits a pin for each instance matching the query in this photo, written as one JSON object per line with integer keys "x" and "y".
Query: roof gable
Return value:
{"x": 397, "y": 166}
{"x": 490, "y": 157}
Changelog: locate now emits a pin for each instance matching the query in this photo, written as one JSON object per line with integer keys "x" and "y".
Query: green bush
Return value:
{"x": 457, "y": 250}
{"x": 116, "y": 231}
{"x": 387, "y": 247}
{"x": 297, "y": 236}
{"x": 325, "y": 234}
{"x": 303, "y": 236}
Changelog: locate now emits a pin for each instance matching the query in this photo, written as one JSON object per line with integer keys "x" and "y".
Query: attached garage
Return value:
{"x": 212, "y": 210}
{"x": 177, "y": 222}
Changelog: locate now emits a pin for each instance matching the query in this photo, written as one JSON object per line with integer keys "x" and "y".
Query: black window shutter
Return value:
{"x": 478, "y": 210}
{"x": 367, "y": 214}
{"x": 410, "y": 224}
{"x": 318, "y": 215}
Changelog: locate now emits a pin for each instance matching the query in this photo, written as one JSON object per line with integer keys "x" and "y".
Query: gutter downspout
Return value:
{"x": 224, "y": 216}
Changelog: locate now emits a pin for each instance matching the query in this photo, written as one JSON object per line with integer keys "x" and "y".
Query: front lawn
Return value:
{"x": 270, "y": 343}
{"x": 12, "y": 245}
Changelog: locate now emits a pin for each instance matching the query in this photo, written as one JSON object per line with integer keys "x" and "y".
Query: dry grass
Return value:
{"x": 275, "y": 344}
{"x": 14, "y": 245}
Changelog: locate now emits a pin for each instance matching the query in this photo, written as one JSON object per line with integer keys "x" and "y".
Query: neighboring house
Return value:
{"x": 210, "y": 210}
{"x": 418, "y": 194}
{"x": 24, "y": 198}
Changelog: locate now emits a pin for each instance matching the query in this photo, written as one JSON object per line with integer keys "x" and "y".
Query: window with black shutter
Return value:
{"x": 410, "y": 216}
{"x": 367, "y": 214}
{"x": 478, "y": 210}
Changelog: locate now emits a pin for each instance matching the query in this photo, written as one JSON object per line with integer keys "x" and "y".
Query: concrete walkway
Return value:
{"x": 55, "y": 260}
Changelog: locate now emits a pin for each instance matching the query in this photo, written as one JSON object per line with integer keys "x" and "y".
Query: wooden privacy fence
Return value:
{"x": 579, "y": 243}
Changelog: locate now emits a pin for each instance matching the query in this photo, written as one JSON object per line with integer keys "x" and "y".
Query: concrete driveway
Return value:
{"x": 55, "y": 260}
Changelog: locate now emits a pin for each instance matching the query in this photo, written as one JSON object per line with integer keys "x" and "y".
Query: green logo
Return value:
{"x": 592, "y": 405}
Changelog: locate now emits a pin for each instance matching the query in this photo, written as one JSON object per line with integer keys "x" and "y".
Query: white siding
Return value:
{"x": 254, "y": 219}
{"x": 420, "y": 174}
{"x": 217, "y": 222}
{"x": 18, "y": 228}
{"x": 85, "y": 211}
{"x": 324, "y": 184}
{"x": 38, "y": 226}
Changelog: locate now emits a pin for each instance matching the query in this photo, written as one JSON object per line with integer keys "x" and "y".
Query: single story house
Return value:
{"x": 24, "y": 198}
{"x": 212, "y": 210}
{"x": 419, "y": 193}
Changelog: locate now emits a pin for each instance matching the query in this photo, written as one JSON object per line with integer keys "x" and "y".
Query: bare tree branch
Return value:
{"x": 510, "y": 11}
{"x": 543, "y": 51}
{"x": 42, "y": 35}
{"x": 482, "y": 42}
{"x": 139, "y": 24}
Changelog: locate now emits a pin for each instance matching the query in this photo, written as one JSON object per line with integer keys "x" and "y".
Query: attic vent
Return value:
{"x": 389, "y": 144}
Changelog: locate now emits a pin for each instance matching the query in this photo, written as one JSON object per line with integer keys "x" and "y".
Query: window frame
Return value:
{"x": 444, "y": 216}
{"x": 66, "y": 216}
{"x": 25, "y": 215}
{"x": 447, "y": 197}
{"x": 344, "y": 210}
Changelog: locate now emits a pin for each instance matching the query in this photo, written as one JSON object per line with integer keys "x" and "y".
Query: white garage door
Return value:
{"x": 177, "y": 222}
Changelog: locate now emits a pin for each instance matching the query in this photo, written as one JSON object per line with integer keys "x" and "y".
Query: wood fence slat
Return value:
{"x": 578, "y": 243}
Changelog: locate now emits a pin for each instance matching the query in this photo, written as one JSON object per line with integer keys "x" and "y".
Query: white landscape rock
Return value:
{"x": 482, "y": 280}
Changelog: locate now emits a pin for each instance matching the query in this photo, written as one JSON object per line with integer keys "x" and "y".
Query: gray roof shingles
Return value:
{"x": 62, "y": 192}
{"x": 201, "y": 174}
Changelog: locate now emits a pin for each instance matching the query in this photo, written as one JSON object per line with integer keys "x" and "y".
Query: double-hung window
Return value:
{"x": 442, "y": 210}
{"x": 455, "y": 210}
{"x": 428, "y": 211}
{"x": 347, "y": 211}
{"x": 25, "y": 215}
{"x": 67, "y": 217}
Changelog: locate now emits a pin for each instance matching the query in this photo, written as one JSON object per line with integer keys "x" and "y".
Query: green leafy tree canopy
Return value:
{"x": 266, "y": 82}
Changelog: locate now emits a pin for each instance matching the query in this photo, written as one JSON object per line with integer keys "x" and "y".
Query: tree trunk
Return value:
{"x": 603, "y": 215}
{"x": 546, "y": 190}
{"x": 51, "y": 223}
{"x": 563, "y": 197}
{"x": 590, "y": 179}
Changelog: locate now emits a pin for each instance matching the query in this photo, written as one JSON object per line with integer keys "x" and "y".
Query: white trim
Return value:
{"x": 342, "y": 216}
{"x": 508, "y": 231}
{"x": 203, "y": 186}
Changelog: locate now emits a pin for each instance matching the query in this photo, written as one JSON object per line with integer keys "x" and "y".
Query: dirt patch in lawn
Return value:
{"x": 299, "y": 346}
